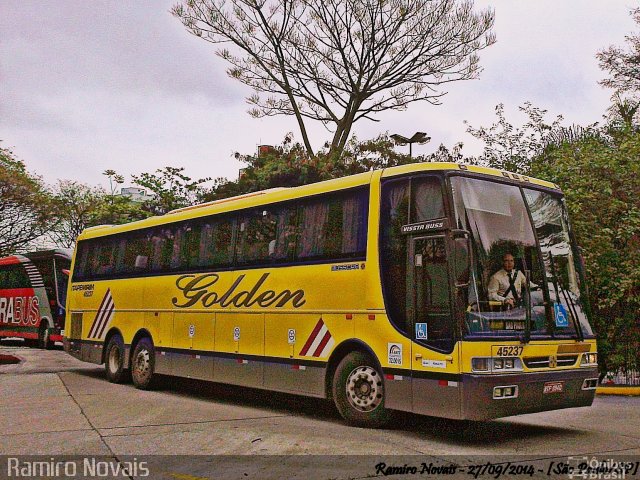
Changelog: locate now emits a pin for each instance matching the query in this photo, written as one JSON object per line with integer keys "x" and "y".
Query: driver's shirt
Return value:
{"x": 499, "y": 284}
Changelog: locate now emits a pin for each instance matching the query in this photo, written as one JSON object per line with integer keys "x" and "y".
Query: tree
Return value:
{"x": 25, "y": 205}
{"x": 599, "y": 176}
{"x": 623, "y": 65}
{"x": 114, "y": 209}
{"x": 509, "y": 147}
{"x": 289, "y": 165}
{"x": 76, "y": 204}
{"x": 339, "y": 62}
{"x": 171, "y": 187}
{"x": 597, "y": 168}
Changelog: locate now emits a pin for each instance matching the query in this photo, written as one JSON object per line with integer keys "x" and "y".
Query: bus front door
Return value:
{"x": 435, "y": 390}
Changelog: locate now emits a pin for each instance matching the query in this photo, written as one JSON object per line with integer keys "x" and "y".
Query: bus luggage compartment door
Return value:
{"x": 239, "y": 345}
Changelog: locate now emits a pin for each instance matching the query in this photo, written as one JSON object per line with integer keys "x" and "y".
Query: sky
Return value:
{"x": 90, "y": 86}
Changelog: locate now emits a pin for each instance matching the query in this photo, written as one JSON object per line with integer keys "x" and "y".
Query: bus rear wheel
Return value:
{"x": 114, "y": 360}
{"x": 143, "y": 365}
{"x": 358, "y": 391}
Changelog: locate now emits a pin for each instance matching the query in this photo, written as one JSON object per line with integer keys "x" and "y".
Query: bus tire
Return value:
{"x": 114, "y": 360}
{"x": 358, "y": 391}
{"x": 44, "y": 341}
{"x": 143, "y": 365}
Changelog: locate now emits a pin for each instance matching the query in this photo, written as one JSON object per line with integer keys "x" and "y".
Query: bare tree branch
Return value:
{"x": 338, "y": 62}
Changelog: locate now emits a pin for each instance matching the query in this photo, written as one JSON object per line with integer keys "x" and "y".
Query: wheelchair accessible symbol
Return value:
{"x": 561, "y": 315}
{"x": 421, "y": 331}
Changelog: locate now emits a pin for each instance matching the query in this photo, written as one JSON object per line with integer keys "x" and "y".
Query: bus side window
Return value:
{"x": 82, "y": 264}
{"x": 216, "y": 242}
{"x": 256, "y": 232}
{"x": 161, "y": 240}
{"x": 190, "y": 245}
{"x": 394, "y": 214}
{"x": 287, "y": 234}
{"x": 426, "y": 199}
{"x": 333, "y": 226}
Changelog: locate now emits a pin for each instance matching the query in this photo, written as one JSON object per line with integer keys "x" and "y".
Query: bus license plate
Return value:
{"x": 553, "y": 387}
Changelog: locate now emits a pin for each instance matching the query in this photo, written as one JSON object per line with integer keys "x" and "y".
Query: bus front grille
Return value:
{"x": 545, "y": 362}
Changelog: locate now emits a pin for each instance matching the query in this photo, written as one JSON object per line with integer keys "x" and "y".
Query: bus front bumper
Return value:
{"x": 483, "y": 396}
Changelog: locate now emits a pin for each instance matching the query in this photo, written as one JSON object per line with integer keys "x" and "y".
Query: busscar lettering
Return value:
{"x": 200, "y": 289}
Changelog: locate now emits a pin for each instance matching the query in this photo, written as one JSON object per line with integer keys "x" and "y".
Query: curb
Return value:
{"x": 619, "y": 390}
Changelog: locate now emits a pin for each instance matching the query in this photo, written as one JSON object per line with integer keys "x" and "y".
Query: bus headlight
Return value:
{"x": 480, "y": 364}
{"x": 510, "y": 391}
{"x": 491, "y": 364}
{"x": 507, "y": 363}
{"x": 589, "y": 359}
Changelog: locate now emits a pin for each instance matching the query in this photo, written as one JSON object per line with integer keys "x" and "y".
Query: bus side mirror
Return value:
{"x": 461, "y": 259}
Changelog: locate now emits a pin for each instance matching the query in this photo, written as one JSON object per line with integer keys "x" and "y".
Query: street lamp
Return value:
{"x": 418, "y": 137}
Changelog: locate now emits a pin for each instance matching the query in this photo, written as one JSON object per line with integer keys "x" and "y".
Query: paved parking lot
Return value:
{"x": 55, "y": 405}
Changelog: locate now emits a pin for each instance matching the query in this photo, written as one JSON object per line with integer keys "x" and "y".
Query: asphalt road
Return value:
{"x": 54, "y": 405}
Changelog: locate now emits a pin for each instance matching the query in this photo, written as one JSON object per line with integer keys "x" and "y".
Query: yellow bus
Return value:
{"x": 381, "y": 291}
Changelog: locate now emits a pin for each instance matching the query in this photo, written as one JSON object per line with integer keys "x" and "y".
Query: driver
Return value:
{"x": 506, "y": 284}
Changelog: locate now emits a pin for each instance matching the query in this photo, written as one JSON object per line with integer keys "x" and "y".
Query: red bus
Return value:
{"x": 33, "y": 291}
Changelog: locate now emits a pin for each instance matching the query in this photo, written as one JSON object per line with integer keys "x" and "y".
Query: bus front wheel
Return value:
{"x": 143, "y": 365}
{"x": 114, "y": 360}
{"x": 358, "y": 391}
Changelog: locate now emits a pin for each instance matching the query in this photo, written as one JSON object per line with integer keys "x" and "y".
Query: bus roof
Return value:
{"x": 42, "y": 254}
{"x": 275, "y": 195}
{"x": 461, "y": 167}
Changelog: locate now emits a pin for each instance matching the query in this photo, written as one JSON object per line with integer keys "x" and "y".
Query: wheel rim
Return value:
{"x": 142, "y": 364}
{"x": 114, "y": 359}
{"x": 364, "y": 389}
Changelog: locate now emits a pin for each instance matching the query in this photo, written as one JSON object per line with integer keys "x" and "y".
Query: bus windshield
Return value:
{"x": 562, "y": 280}
{"x": 517, "y": 287}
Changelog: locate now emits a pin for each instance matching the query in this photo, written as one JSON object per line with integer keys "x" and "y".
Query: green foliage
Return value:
{"x": 25, "y": 205}
{"x": 78, "y": 206}
{"x": 623, "y": 65}
{"x": 289, "y": 165}
{"x": 511, "y": 148}
{"x": 75, "y": 204}
{"x": 171, "y": 188}
{"x": 600, "y": 179}
{"x": 598, "y": 170}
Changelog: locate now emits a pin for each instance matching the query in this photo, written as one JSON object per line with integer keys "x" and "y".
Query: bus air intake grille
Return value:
{"x": 545, "y": 362}
{"x": 76, "y": 325}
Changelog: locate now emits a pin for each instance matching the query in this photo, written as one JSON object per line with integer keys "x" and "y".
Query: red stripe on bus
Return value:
{"x": 9, "y": 260}
{"x": 323, "y": 343}
{"x": 55, "y": 338}
{"x": 311, "y": 338}
{"x": 17, "y": 292}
